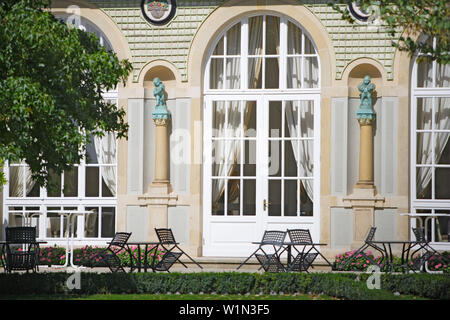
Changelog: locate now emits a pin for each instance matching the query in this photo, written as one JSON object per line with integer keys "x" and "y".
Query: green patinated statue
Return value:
{"x": 160, "y": 112}
{"x": 365, "y": 111}
{"x": 158, "y": 92}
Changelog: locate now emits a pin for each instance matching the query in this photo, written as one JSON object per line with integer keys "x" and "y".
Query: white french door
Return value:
{"x": 261, "y": 168}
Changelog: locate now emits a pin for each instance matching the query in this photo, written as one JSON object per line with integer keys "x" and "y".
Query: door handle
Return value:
{"x": 266, "y": 204}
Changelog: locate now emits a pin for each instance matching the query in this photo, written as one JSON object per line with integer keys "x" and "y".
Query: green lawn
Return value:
{"x": 185, "y": 297}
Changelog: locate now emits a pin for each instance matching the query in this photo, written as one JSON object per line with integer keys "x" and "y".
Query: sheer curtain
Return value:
{"x": 16, "y": 180}
{"x": 227, "y": 151}
{"x": 425, "y": 118}
{"x": 106, "y": 151}
{"x": 303, "y": 149}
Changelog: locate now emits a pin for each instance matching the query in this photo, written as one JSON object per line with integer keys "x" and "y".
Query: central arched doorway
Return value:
{"x": 261, "y": 134}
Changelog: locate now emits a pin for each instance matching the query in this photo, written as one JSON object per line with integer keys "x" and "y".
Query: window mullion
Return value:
{"x": 244, "y": 54}
{"x": 263, "y": 54}
{"x": 225, "y": 48}
{"x": 99, "y": 224}
{"x": 302, "y": 63}
{"x": 283, "y": 52}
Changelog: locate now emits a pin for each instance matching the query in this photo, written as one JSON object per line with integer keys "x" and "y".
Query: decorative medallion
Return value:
{"x": 358, "y": 12}
{"x": 158, "y": 12}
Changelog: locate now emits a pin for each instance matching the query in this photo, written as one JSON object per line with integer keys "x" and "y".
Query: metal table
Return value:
{"x": 288, "y": 248}
{"x": 407, "y": 245}
{"x": 290, "y": 244}
{"x": 27, "y": 215}
{"x": 70, "y": 214}
{"x": 145, "y": 264}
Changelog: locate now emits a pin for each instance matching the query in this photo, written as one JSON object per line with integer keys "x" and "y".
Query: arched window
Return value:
{"x": 430, "y": 158}
{"x": 261, "y": 133}
{"x": 263, "y": 52}
{"x": 92, "y": 185}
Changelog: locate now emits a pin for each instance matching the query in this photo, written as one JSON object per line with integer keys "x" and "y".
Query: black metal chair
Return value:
{"x": 169, "y": 245}
{"x": 360, "y": 251}
{"x": 425, "y": 251}
{"x": 270, "y": 261}
{"x": 21, "y": 251}
{"x": 110, "y": 255}
{"x": 302, "y": 260}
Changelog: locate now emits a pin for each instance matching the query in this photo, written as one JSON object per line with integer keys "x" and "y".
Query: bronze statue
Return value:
{"x": 365, "y": 112}
{"x": 158, "y": 92}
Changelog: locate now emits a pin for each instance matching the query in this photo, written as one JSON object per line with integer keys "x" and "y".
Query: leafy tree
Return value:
{"x": 51, "y": 81}
{"x": 411, "y": 18}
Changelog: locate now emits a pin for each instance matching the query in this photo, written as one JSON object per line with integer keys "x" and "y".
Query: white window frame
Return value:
{"x": 432, "y": 204}
{"x": 81, "y": 202}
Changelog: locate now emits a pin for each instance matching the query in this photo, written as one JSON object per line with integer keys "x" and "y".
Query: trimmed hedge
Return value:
{"x": 344, "y": 286}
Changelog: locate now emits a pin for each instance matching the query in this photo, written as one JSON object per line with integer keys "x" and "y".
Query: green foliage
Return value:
{"x": 51, "y": 82}
{"x": 344, "y": 286}
{"x": 411, "y": 18}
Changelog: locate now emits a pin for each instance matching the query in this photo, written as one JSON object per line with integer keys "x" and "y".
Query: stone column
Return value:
{"x": 161, "y": 151}
{"x": 158, "y": 196}
{"x": 366, "y": 116}
{"x": 161, "y": 117}
{"x": 364, "y": 200}
{"x": 365, "y": 154}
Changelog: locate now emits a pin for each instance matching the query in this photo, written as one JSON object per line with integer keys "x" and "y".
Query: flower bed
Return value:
{"x": 87, "y": 256}
{"x": 360, "y": 263}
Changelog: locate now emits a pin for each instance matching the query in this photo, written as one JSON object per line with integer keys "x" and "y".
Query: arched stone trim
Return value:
{"x": 358, "y": 68}
{"x": 102, "y": 21}
{"x": 159, "y": 63}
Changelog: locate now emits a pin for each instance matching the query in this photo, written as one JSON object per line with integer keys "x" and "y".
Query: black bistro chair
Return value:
{"x": 269, "y": 251}
{"x": 360, "y": 251}
{"x": 172, "y": 252}
{"x": 425, "y": 251}
{"x": 302, "y": 260}
{"x": 21, "y": 251}
{"x": 109, "y": 255}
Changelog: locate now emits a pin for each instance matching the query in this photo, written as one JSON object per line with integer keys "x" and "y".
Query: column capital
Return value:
{"x": 365, "y": 121}
{"x": 161, "y": 122}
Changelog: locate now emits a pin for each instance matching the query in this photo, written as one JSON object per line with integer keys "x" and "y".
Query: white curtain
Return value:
{"x": 255, "y": 48}
{"x": 105, "y": 148}
{"x": 227, "y": 151}
{"x": 311, "y": 66}
{"x": 425, "y": 117}
{"x": 16, "y": 180}
{"x": 303, "y": 149}
{"x": 311, "y": 72}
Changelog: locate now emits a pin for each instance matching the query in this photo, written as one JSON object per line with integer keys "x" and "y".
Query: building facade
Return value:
{"x": 263, "y": 130}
